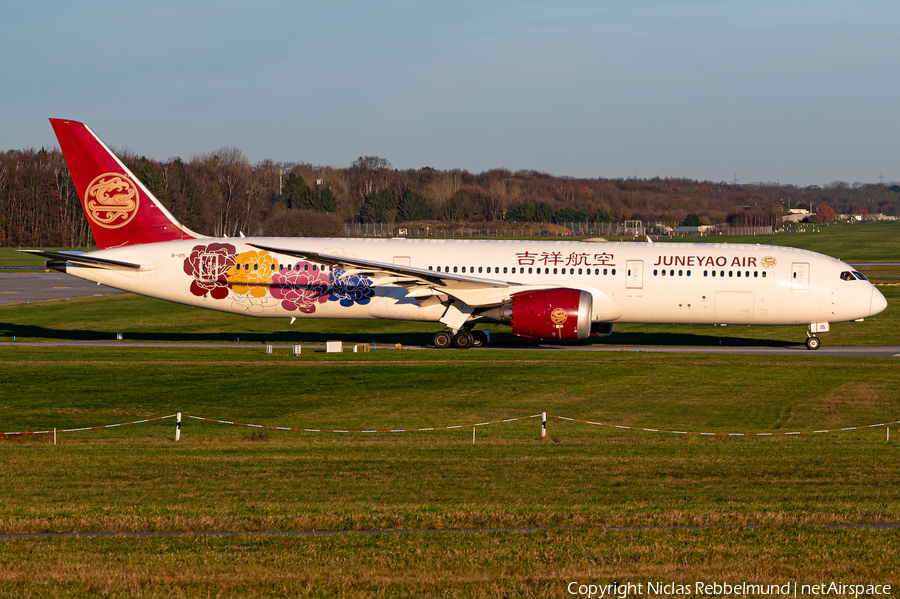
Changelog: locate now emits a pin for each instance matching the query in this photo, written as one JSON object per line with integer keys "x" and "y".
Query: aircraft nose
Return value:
{"x": 878, "y": 302}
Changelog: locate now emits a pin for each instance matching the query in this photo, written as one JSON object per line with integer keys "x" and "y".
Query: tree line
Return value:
{"x": 222, "y": 194}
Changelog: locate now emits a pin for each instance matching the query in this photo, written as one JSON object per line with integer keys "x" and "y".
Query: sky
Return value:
{"x": 791, "y": 91}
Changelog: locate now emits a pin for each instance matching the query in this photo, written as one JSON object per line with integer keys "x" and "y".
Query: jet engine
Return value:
{"x": 558, "y": 313}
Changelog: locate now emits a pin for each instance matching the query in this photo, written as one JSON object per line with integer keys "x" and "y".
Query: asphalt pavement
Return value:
{"x": 19, "y": 288}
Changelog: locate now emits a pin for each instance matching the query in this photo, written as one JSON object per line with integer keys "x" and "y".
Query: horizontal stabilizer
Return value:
{"x": 85, "y": 260}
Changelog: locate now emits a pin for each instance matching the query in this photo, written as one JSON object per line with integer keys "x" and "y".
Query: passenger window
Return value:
{"x": 663, "y": 273}
{"x": 730, "y": 273}
{"x": 604, "y": 271}
{"x": 655, "y": 273}
{"x": 755, "y": 274}
{"x": 464, "y": 269}
{"x": 764, "y": 274}
{"x": 713, "y": 273}
{"x": 529, "y": 270}
{"x": 672, "y": 273}
{"x": 688, "y": 273}
{"x": 679, "y": 274}
{"x": 721, "y": 273}
{"x": 504, "y": 270}
{"x": 614, "y": 271}
{"x": 479, "y": 270}
{"x": 455, "y": 268}
{"x": 738, "y": 273}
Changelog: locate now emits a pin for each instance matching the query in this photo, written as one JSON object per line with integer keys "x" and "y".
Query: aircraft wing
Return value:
{"x": 384, "y": 273}
{"x": 85, "y": 260}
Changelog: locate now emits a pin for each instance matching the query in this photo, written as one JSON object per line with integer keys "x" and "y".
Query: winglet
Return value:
{"x": 119, "y": 208}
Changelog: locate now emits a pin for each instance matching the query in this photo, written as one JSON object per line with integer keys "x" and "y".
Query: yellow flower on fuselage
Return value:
{"x": 252, "y": 273}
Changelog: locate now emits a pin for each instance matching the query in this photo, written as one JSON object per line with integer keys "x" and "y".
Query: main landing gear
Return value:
{"x": 462, "y": 339}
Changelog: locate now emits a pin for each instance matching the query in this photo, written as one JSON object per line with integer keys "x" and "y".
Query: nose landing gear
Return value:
{"x": 812, "y": 342}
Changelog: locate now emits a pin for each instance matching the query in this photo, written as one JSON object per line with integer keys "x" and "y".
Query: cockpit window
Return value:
{"x": 859, "y": 276}
{"x": 847, "y": 276}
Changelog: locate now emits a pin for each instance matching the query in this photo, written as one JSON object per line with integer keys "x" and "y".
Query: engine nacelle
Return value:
{"x": 558, "y": 313}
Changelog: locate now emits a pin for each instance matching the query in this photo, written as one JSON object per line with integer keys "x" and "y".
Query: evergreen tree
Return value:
{"x": 521, "y": 213}
{"x": 380, "y": 207}
{"x": 602, "y": 216}
{"x": 322, "y": 199}
{"x": 572, "y": 214}
{"x": 413, "y": 206}
{"x": 295, "y": 193}
{"x": 692, "y": 220}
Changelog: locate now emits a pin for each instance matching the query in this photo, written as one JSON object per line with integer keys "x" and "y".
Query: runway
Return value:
{"x": 883, "y": 351}
{"x": 20, "y": 288}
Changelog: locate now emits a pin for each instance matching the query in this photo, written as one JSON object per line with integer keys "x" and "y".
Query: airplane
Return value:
{"x": 556, "y": 291}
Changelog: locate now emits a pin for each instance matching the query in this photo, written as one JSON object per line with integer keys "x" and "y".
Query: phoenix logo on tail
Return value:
{"x": 120, "y": 210}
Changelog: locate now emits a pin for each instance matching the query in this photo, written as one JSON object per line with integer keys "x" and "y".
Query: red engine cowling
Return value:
{"x": 551, "y": 314}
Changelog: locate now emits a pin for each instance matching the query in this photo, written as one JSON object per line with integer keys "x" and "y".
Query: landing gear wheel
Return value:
{"x": 812, "y": 343}
{"x": 463, "y": 340}
{"x": 480, "y": 339}
{"x": 442, "y": 340}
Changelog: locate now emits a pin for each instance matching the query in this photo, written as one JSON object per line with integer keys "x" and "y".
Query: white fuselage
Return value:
{"x": 646, "y": 282}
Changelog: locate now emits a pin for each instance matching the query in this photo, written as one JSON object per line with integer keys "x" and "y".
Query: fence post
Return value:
{"x": 178, "y": 426}
{"x": 543, "y": 425}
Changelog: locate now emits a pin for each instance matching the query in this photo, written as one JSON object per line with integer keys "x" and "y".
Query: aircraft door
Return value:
{"x": 634, "y": 272}
{"x": 800, "y": 276}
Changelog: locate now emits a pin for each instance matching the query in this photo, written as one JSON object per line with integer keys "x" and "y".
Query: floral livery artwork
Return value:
{"x": 258, "y": 282}
{"x": 349, "y": 290}
{"x": 300, "y": 289}
{"x": 250, "y": 279}
{"x": 209, "y": 265}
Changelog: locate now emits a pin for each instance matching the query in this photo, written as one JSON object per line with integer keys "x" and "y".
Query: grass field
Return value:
{"x": 603, "y": 500}
{"x": 586, "y": 481}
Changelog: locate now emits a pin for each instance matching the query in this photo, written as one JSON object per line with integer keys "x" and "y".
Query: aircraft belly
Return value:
{"x": 735, "y": 307}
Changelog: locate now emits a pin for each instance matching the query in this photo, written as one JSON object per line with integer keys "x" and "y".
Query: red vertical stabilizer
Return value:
{"x": 120, "y": 210}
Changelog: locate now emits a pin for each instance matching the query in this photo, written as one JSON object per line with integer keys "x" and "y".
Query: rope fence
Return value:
{"x": 385, "y": 430}
{"x": 674, "y": 432}
{"x": 543, "y": 416}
